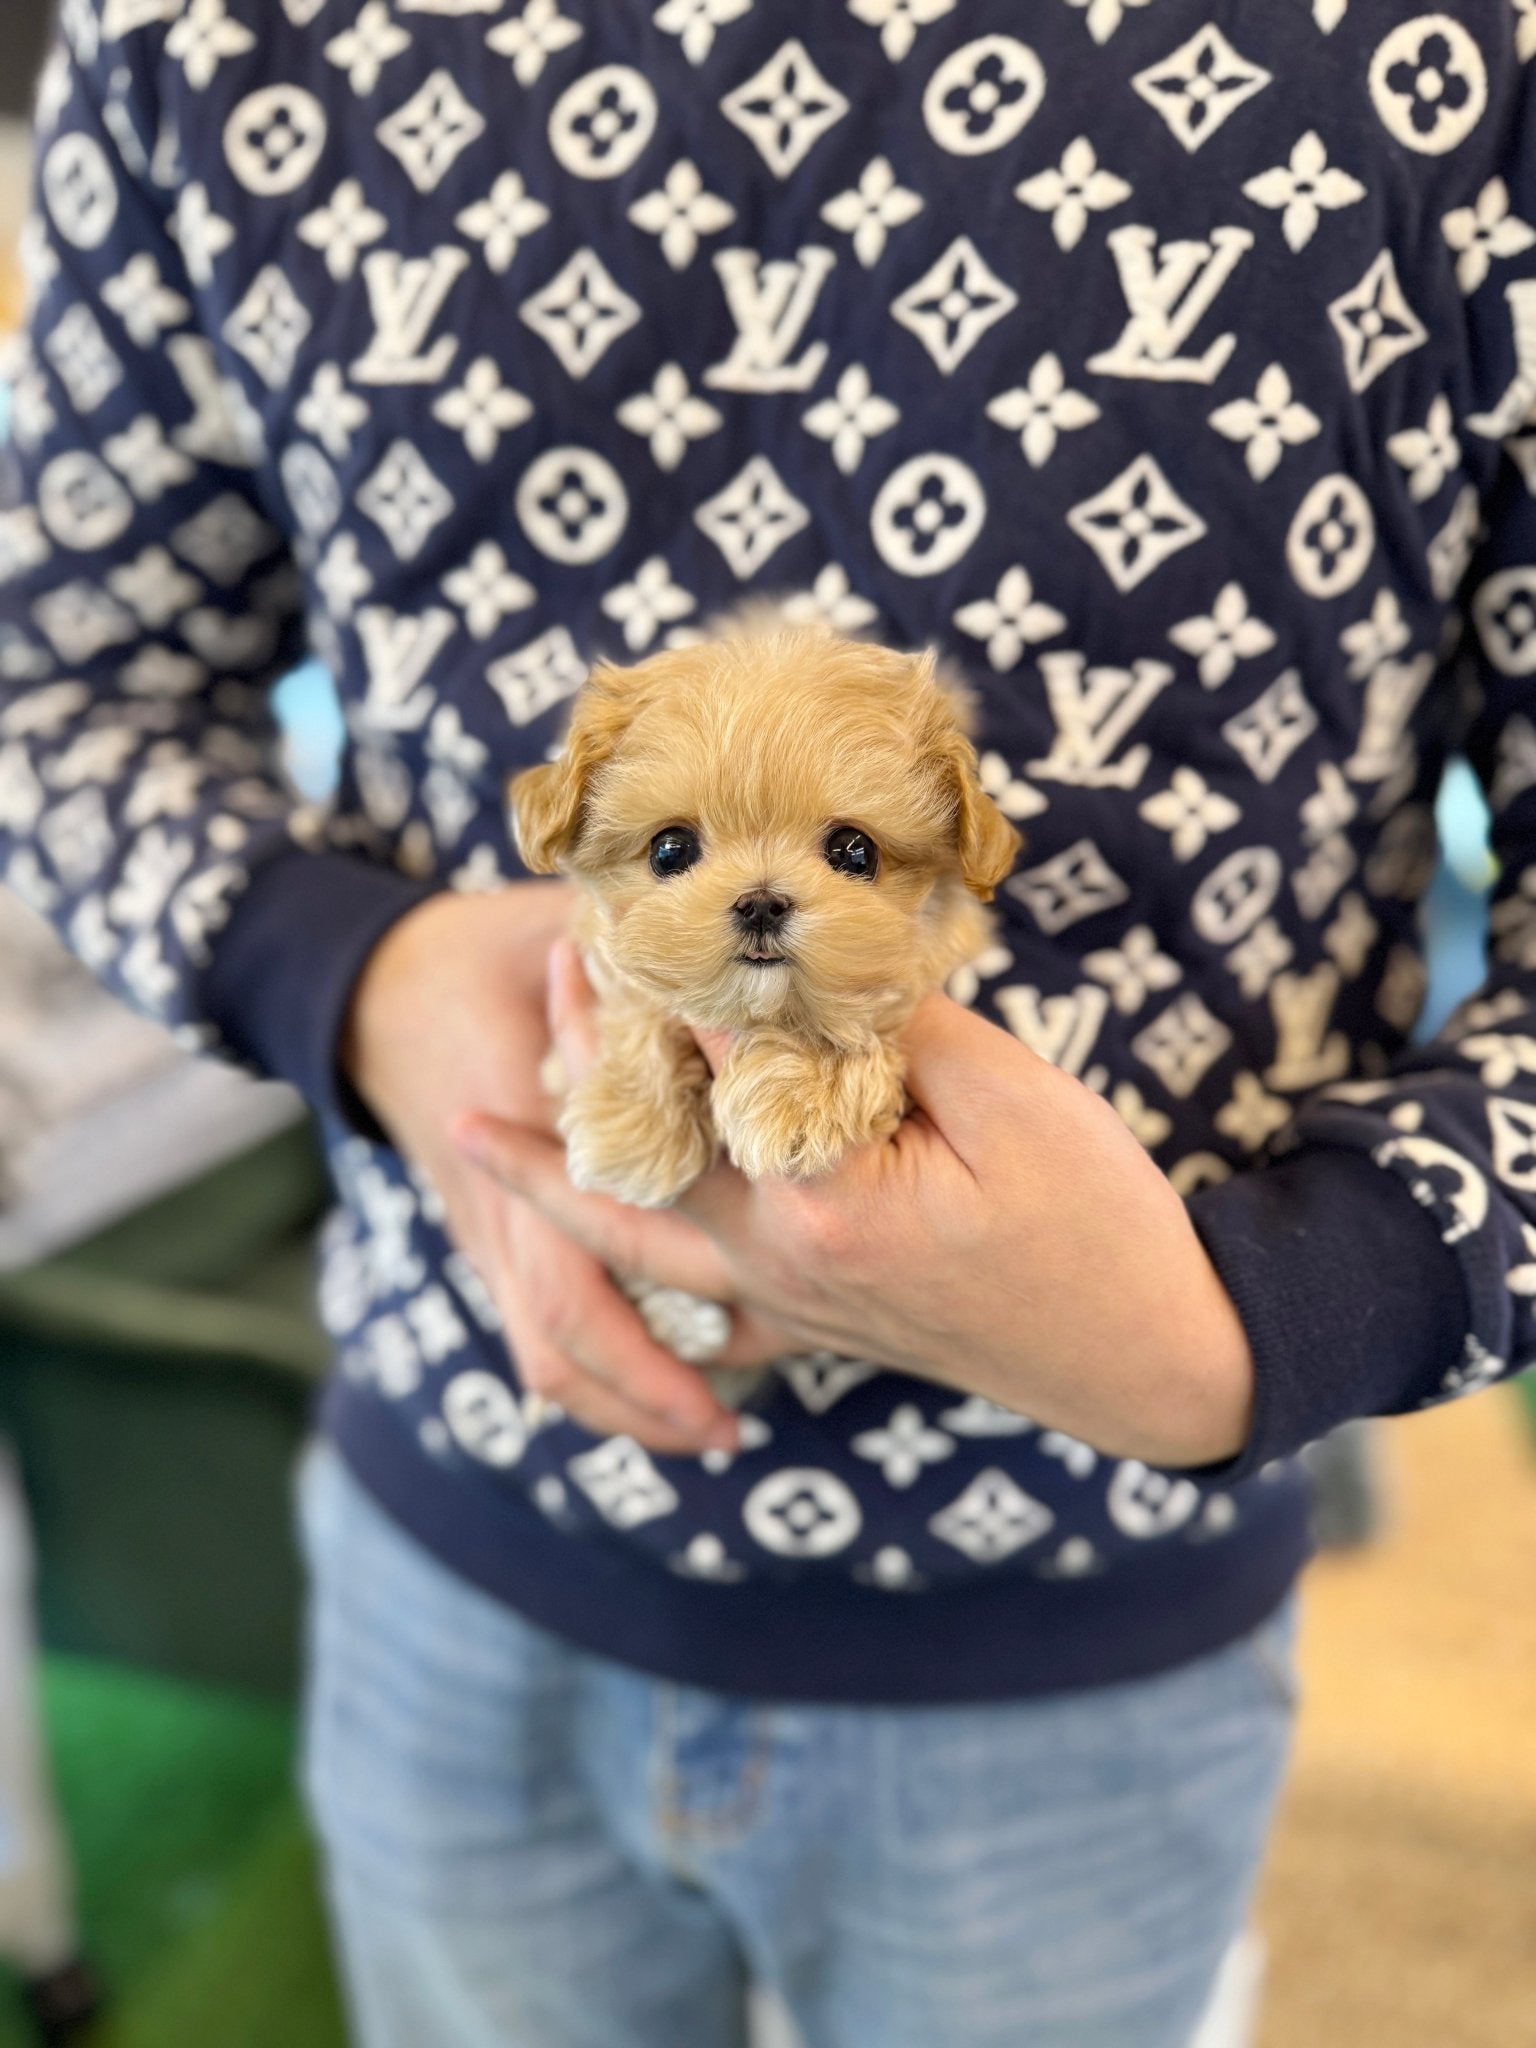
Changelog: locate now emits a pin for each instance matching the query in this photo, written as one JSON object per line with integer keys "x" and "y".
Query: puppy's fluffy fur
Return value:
{"x": 761, "y": 743}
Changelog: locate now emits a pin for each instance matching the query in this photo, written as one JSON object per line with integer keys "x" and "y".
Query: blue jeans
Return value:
{"x": 530, "y": 1847}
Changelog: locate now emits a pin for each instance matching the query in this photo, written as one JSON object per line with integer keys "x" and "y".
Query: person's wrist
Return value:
{"x": 1213, "y": 1418}
{"x": 388, "y": 976}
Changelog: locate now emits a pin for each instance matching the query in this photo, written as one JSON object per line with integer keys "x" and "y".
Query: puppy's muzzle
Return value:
{"x": 760, "y": 915}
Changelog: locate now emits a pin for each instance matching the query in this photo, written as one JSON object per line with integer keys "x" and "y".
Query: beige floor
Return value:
{"x": 1401, "y": 1900}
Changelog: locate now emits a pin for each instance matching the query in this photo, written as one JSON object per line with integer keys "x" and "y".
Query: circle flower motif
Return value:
{"x": 1429, "y": 84}
{"x": 976, "y": 100}
{"x": 927, "y": 513}
{"x": 983, "y": 95}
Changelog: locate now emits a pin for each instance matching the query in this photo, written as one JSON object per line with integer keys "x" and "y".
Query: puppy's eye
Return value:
{"x": 674, "y": 850}
{"x": 852, "y": 852}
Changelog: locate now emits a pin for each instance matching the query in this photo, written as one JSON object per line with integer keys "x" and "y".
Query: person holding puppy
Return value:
{"x": 945, "y": 1689}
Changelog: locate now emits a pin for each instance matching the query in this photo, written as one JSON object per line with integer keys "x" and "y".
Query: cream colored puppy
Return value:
{"x": 779, "y": 831}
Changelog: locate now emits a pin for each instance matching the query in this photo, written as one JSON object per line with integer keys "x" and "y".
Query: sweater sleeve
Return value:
{"x": 149, "y": 595}
{"x": 1385, "y": 1259}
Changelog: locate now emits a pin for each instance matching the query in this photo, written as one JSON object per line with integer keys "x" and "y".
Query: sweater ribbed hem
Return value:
{"x": 1008, "y": 1636}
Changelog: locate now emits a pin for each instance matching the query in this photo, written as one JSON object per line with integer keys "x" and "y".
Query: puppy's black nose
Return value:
{"x": 760, "y": 911}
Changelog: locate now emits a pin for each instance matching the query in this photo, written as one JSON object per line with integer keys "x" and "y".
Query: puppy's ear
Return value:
{"x": 547, "y": 802}
{"x": 987, "y": 844}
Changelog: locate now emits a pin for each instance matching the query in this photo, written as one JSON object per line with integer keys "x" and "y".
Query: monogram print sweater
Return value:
{"x": 1169, "y": 364}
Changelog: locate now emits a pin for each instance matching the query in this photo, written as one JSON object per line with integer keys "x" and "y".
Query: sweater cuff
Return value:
{"x": 1352, "y": 1303}
{"x": 284, "y": 967}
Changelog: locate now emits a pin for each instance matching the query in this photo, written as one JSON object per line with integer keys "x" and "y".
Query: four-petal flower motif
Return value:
{"x": 1105, "y": 16}
{"x": 851, "y": 418}
{"x": 1227, "y": 635}
{"x": 487, "y": 590}
{"x": 694, "y": 22}
{"x": 680, "y": 212}
{"x": 831, "y": 599}
{"x": 482, "y": 409}
{"x": 1253, "y": 1115}
{"x": 1484, "y": 231}
{"x": 1010, "y": 620}
{"x": 531, "y": 38}
{"x": 907, "y": 1443}
{"x": 500, "y": 221}
{"x": 1134, "y": 969}
{"x": 1429, "y": 453}
{"x": 331, "y": 412}
{"x": 1190, "y": 812}
{"x": 363, "y": 50}
{"x": 651, "y": 601}
{"x": 1041, "y": 410}
{"x": 669, "y": 415}
{"x": 1377, "y": 638}
{"x": 1072, "y": 193}
{"x": 1014, "y": 797}
{"x": 1269, "y": 422}
{"x": 343, "y": 228}
{"x": 899, "y": 20}
{"x": 202, "y": 38}
{"x": 1304, "y": 189}
{"x": 869, "y": 210}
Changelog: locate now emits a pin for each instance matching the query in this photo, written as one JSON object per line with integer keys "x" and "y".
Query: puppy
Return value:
{"x": 778, "y": 831}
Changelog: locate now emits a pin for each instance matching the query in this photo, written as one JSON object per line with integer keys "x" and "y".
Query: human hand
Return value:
{"x": 1011, "y": 1239}
{"x": 448, "y": 1018}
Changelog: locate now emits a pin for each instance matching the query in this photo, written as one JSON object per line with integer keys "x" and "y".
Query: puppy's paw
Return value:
{"x": 639, "y": 1149}
{"x": 783, "y": 1110}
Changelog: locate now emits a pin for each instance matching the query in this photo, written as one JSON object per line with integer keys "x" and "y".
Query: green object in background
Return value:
{"x": 197, "y": 1887}
{"x": 1525, "y": 1386}
{"x": 157, "y": 1382}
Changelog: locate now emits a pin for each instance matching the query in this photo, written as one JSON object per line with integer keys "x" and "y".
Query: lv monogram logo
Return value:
{"x": 1515, "y": 408}
{"x": 399, "y": 649}
{"x": 1094, "y": 709}
{"x": 1170, "y": 287}
{"x": 406, "y": 294}
{"x": 1307, "y": 1053}
{"x": 770, "y": 303}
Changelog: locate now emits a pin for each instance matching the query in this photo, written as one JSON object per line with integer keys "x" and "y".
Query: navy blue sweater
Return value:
{"x": 1172, "y": 366}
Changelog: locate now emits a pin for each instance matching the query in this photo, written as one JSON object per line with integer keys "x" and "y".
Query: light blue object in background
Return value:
{"x": 1455, "y": 911}
{"x": 308, "y": 711}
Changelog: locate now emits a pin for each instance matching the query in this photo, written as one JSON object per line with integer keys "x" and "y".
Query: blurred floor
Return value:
{"x": 1401, "y": 1900}
{"x": 196, "y": 1881}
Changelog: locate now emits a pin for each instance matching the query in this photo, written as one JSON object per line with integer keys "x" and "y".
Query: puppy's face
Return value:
{"x": 779, "y": 826}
